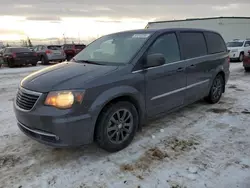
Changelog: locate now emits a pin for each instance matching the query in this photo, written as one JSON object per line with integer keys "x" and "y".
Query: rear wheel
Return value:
{"x": 34, "y": 64}
{"x": 247, "y": 69}
{"x": 117, "y": 126}
{"x": 44, "y": 61}
{"x": 216, "y": 90}
{"x": 11, "y": 63}
{"x": 69, "y": 57}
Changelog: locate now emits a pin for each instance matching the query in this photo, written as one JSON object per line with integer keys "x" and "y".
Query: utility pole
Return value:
{"x": 79, "y": 40}
{"x": 64, "y": 38}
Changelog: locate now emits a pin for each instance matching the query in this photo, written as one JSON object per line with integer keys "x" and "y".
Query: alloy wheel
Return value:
{"x": 120, "y": 126}
{"x": 217, "y": 88}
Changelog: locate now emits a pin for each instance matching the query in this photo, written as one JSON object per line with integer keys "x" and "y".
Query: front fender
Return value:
{"x": 113, "y": 93}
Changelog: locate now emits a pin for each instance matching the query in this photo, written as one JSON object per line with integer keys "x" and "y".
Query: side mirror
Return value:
{"x": 154, "y": 60}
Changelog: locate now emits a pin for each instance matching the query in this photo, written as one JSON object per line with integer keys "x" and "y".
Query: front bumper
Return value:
{"x": 54, "y": 127}
{"x": 21, "y": 61}
{"x": 234, "y": 55}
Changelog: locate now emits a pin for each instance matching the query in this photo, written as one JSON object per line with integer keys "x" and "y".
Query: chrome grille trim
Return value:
{"x": 26, "y": 99}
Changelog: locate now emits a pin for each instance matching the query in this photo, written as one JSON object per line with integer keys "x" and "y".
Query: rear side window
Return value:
{"x": 247, "y": 43}
{"x": 20, "y": 50}
{"x": 168, "y": 46}
{"x": 215, "y": 43}
{"x": 54, "y": 47}
{"x": 194, "y": 44}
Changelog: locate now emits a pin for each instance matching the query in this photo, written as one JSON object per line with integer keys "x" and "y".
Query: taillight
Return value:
{"x": 228, "y": 59}
{"x": 35, "y": 54}
{"x": 48, "y": 51}
{"x": 14, "y": 55}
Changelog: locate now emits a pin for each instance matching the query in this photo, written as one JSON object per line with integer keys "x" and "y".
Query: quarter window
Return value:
{"x": 167, "y": 45}
{"x": 247, "y": 43}
{"x": 215, "y": 43}
{"x": 194, "y": 44}
{"x": 7, "y": 50}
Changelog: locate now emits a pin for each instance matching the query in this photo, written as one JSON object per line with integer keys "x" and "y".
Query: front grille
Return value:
{"x": 26, "y": 99}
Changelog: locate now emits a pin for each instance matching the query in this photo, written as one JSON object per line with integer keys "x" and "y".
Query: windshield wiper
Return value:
{"x": 86, "y": 61}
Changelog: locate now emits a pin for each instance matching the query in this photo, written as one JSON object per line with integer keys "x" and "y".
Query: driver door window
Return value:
{"x": 167, "y": 45}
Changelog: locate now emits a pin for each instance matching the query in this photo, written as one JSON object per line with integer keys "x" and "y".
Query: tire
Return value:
{"x": 34, "y": 64}
{"x": 247, "y": 69}
{"x": 241, "y": 57}
{"x": 11, "y": 63}
{"x": 112, "y": 141}
{"x": 69, "y": 57}
{"x": 216, "y": 90}
{"x": 44, "y": 61}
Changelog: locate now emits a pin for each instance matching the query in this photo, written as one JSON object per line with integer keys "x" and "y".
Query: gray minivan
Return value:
{"x": 118, "y": 82}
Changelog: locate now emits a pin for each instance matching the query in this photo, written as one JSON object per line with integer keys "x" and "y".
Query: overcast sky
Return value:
{"x": 106, "y": 15}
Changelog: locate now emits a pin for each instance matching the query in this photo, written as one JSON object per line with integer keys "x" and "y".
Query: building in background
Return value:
{"x": 229, "y": 27}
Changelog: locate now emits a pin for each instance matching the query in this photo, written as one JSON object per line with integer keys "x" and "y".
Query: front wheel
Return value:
{"x": 117, "y": 126}
{"x": 216, "y": 90}
{"x": 241, "y": 57}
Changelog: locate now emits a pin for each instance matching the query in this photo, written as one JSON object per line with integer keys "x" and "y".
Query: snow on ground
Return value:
{"x": 201, "y": 145}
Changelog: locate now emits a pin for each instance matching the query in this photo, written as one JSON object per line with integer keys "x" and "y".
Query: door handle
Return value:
{"x": 192, "y": 66}
{"x": 180, "y": 69}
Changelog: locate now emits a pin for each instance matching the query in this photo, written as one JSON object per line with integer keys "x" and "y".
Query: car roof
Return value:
{"x": 16, "y": 47}
{"x": 165, "y": 30}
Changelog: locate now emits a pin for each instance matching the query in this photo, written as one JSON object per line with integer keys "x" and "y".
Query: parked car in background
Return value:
{"x": 1, "y": 52}
{"x": 47, "y": 53}
{"x": 238, "y": 48}
{"x": 14, "y": 56}
{"x": 72, "y": 49}
{"x": 118, "y": 82}
{"x": 246, "y": 62}
{"x": 1, "y": 56}
{"x": 31, "y": 48}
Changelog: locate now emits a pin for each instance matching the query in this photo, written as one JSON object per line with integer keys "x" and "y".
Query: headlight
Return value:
{"x": 64, "y": 99}
{"x": 235, "y": 50}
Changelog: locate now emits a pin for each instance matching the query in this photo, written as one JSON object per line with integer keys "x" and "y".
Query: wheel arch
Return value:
{"x": 133, "y": 98}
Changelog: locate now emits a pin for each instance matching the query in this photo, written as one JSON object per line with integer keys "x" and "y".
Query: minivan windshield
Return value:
{"x": 116, "y": 48}
{"x": 234, "y": 44}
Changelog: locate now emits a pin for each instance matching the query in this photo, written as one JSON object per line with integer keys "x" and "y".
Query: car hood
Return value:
{"x": 63, "y": 76}
{"x": 233, "y": 48}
